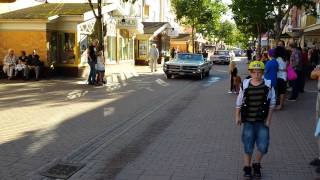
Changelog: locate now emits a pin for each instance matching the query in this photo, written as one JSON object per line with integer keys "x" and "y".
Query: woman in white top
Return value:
{"x": 100, "y": 69}
{"x": 280, "y": 53}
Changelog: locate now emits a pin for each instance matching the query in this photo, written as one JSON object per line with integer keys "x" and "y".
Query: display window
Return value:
{"x": 143, "y": 47}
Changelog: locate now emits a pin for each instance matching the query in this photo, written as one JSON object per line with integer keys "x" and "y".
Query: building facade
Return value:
{"x": 61, "y": 33}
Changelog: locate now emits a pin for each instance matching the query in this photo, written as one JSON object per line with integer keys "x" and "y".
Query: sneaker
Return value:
{"x": 256, "y": 170}
{"x": 315, "y": 162}
{"x": 247, "y": 172}
{"x": 229, "y": 92}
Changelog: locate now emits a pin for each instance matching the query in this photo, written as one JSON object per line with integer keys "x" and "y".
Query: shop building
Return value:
{"x": 60, "y": 32}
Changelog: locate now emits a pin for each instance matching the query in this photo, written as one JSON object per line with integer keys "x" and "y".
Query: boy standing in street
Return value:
{"x": 254, "y": 106}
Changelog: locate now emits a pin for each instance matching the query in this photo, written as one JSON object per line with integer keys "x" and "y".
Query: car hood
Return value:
{"x": 184, "y": 63}
{"x": 218, "y": 56}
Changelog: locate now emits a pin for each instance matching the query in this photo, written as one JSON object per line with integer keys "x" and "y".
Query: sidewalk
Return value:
{"x": 117, "y": 75}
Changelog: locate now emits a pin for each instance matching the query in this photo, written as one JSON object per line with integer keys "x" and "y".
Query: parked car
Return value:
{"x": 221, "y": 57}
{"x": 188, "y": 64}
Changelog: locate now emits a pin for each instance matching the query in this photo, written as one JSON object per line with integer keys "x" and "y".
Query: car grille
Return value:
{"x": 173, "y": 67}
{"x": 190, "y": 68}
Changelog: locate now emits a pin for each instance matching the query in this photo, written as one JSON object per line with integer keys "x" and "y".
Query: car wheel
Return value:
{"x": 200, "y": 76}
{"x": 169, "y": 76}
{"x": 208, "y": 73}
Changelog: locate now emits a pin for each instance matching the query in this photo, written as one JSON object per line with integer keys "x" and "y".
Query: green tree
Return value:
{"x": 98, "y": 27}
{"x": 199, "y": 14}
{"x": 224, "y": 31}
{"x": 258, "y": 16}
{"x": 251, "y": 17}
{"x": 281, "y": 9}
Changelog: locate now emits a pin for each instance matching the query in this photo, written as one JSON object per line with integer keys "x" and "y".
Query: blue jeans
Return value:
{"x": 255, "y": 133}
{"x": 92, "y": 74}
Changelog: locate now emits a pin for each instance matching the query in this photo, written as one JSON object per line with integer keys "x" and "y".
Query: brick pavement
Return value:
{"x": 173, "y": 146}
{"x": 207, "y": 146}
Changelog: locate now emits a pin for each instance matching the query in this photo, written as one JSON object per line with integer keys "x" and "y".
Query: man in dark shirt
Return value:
{"x": 33, "y": 63}
{"x": 249, "y": 54}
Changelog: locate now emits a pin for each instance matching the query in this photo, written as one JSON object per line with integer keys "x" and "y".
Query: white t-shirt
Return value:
{"x": 100, "y": 64}
{"x": 282, "y": 70}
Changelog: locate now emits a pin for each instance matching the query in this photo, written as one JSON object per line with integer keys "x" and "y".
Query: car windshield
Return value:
{"x": 190, "y": 57}
{"x": 222, "y": 53}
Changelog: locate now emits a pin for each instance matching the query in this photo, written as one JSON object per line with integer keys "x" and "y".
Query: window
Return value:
{"x": 131, "y": 48}
{"x": 67, "y": 41}
{"x": 53, "y": 47}
{"x": 146, "y": 10}
{"x": 123, "y": 48}
{"x": 143, "y": 46}
{"x": 112, "y": 48}
{"x": 62, "y": 48}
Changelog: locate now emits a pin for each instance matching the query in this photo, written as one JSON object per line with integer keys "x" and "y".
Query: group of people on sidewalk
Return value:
{"x": 96, "y": 63}
{"x": 263, "y": 91}
{"x": 12, "y": 64}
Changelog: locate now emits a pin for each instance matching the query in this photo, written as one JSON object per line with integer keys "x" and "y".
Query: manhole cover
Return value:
{"x": 62, "y": 170}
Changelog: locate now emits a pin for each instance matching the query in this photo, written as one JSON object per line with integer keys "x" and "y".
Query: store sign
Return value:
{"x": 127, "y": 23}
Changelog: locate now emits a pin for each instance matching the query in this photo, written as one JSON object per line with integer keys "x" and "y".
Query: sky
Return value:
{"x": 228, "y": 16}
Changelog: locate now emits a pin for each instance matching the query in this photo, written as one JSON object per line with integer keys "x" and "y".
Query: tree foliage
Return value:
{"x": 98, "y": 27}
{"x": 254, "y": 17}
{"x": 251, "y": 16}
{"x": 201, "y": 15}
{"x": 282, "y": 8}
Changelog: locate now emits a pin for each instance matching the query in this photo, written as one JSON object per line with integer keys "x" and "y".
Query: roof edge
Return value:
{"x": 24, "y": 20}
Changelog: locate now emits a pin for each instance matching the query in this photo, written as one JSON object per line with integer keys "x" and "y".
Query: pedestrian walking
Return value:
{"x": 249, "y": 55}
{"x": 271, "y": 68}
{"x": 295, "y": 62}
{"x": 233, "y": 71}
{"x": 280, "y": 54}
{"x": 172, "y": 52}
{"x": 153, "y": 57}
{"x": 315, "y": 74}
{"x": 254, "y": 107}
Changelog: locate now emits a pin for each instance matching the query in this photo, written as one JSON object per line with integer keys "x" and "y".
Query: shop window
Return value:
{"x": 53, "y": 47}
{"x": 66, "y": 48}
{"x": 124, "y": 48}
{"x": 131, "y": 48}
{"x": 143, "y": 47}
{"x": 112, "y": 48}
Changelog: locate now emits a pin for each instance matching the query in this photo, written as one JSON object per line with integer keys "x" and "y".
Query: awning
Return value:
{"x": 154, "y": 28}
{"x": 7, "y": 1}
{"x": 313, "y": 29}
{"x": 181, "y": 37}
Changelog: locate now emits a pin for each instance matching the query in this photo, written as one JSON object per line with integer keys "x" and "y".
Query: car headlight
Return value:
{"x": 199, "y": 68}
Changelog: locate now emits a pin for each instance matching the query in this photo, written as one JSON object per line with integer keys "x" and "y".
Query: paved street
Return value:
{"x": 145, "y": 128}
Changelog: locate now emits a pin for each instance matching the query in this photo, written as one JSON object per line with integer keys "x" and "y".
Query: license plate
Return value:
{"x": 181, "y": 73}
